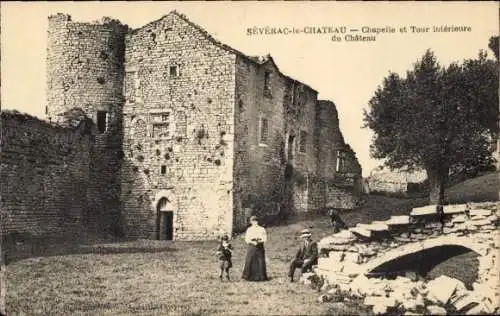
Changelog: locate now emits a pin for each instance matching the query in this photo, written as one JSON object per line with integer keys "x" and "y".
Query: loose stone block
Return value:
{"x": 425, "y": 210}
{"x": 336, "y": 256}
{"x": 398, "y": 220}
{"x": 337, "y": 248}
{"x": 480, "y": 212}
{"x": 454, "y": 208}
{"x": 433, "y": 225}
{"x": 436, "y": 310}
{"x": 480, "y": 222}
{"x": 442, "y": 288}
{"x": 459, "y": 219}
{"x": 488, "y": 227}
{"x": 361, "y": 231}
{"x": 351, "y": 257}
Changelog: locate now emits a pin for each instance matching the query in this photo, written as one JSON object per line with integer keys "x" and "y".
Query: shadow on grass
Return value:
{"x": 373, "y": 208}
{"x": 44, "y": 247}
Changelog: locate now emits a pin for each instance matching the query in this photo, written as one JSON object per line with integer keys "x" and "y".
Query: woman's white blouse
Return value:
{"x": 255, "y": 232}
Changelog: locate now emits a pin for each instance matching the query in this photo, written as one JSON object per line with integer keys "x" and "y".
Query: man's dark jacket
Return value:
{"x": 308, "y": 252}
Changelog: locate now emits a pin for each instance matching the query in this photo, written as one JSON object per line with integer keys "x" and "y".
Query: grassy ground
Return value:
{"x": 153, "y": 277}
{"x": 159, "y": 278}
{"x": 483, "y": 188}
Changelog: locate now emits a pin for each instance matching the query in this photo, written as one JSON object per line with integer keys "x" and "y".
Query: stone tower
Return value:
{"x": 85, "y": 73}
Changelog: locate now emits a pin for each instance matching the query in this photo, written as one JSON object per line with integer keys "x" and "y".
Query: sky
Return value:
{"x": 347, "y": 73}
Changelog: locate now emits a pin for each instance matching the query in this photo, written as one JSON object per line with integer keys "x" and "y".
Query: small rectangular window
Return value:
{"x": 163, "y": 169}
{"x": 174, "y": 71}
{"x": 102, "y": 121}
{"x": 303, "y": 142}
{"x": 264, "y": 130}
{"x": 267, "y": 83}
{"x": 339, "y": 163}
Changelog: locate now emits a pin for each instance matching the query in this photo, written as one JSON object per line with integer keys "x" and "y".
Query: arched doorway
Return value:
{"x": 164, "y": 220}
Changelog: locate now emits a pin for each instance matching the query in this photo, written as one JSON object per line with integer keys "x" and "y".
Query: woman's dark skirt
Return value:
{"x": 255, "y": 264}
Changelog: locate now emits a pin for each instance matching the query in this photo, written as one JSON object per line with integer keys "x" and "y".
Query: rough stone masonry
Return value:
{"x": 188, "y": 136}
{"x": 352, "y": 255}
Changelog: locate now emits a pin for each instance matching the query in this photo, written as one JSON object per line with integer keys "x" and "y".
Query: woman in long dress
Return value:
{"x": 255, "y": 262}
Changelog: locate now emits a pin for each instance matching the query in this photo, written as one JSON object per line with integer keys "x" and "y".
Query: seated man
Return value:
{"x": 306, "y": 256}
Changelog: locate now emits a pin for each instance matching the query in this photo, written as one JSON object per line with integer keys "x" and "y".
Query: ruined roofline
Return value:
{"x": 255, "y": 60}
{"x": 346, "y": 146}
{"x": 24, "y": 117}
{"x": 259, "y": 61}
{"x": 105, "y": 20}
{"x": 328, "y": 103}
{"x": 331, "y": 103}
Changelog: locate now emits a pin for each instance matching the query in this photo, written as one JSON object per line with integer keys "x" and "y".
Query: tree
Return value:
{"x": 436, "y": 118}
{"x": 493, "y": 45}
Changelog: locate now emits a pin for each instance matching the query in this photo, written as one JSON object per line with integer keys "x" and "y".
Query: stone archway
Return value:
{"x": 413, "y": 248}
{"x": 165, "y": 209}
{"x": 455, "y": 261}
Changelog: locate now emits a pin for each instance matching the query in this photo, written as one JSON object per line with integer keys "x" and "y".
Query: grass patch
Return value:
{"x": 148, "y": 277}
{"x": 480, "y": 189}
{"x": 160, "y": 277}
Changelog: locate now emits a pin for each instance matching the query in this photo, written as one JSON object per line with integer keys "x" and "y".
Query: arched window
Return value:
{"x": 139, "y": 129}
{"x": 165, "y": 205}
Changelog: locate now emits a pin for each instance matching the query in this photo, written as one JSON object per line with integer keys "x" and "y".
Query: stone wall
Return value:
{"x": 338, "y": 166}
{"x": 331, "y": 139}
{"x": 258, "y": 165}
{"x": 178, "y": 127}
{"x": 362, "y": 249}
{"x": 380, "y": 185}
{"x": 396, "y": 181}
{"x": 44, "y": 178}
{"x": 340, "y": 195}
{"x": 301, "y": 148}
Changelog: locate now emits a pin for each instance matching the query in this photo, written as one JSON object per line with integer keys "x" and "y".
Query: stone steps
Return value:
{"x": 463, "y": 217}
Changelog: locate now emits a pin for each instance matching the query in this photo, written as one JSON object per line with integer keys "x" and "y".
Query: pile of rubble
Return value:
{"x": 402, "y": 295}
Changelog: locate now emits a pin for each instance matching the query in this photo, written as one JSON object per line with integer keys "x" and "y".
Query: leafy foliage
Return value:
{"x": 493, "y": 45}
{"x": 437, "y": 118}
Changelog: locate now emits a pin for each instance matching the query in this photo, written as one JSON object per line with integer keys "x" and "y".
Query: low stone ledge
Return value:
{"x": 361, "y": 232}
{"x": 353, "y": 251}
{"x": 424, "y": 210}
{"x": 455, "y": 209}
{"x": 459, "y": 219}
{"x": 480, "y": 212}
{"x": 398, "y": 220}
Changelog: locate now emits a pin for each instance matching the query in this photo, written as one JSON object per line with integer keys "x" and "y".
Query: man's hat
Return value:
{"x": 305, "y": 233}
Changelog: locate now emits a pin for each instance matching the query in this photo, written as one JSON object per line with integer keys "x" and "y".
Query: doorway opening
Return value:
{"x": 164, "y": 220}
{"x": 290, "y": 148}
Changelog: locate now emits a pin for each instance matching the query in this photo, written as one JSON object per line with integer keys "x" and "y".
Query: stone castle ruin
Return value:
{"x": 163, "y": 132}
{"x": 399, "y": 182}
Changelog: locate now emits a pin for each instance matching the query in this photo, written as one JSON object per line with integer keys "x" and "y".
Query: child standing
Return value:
{"x": 224, "y": 253}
